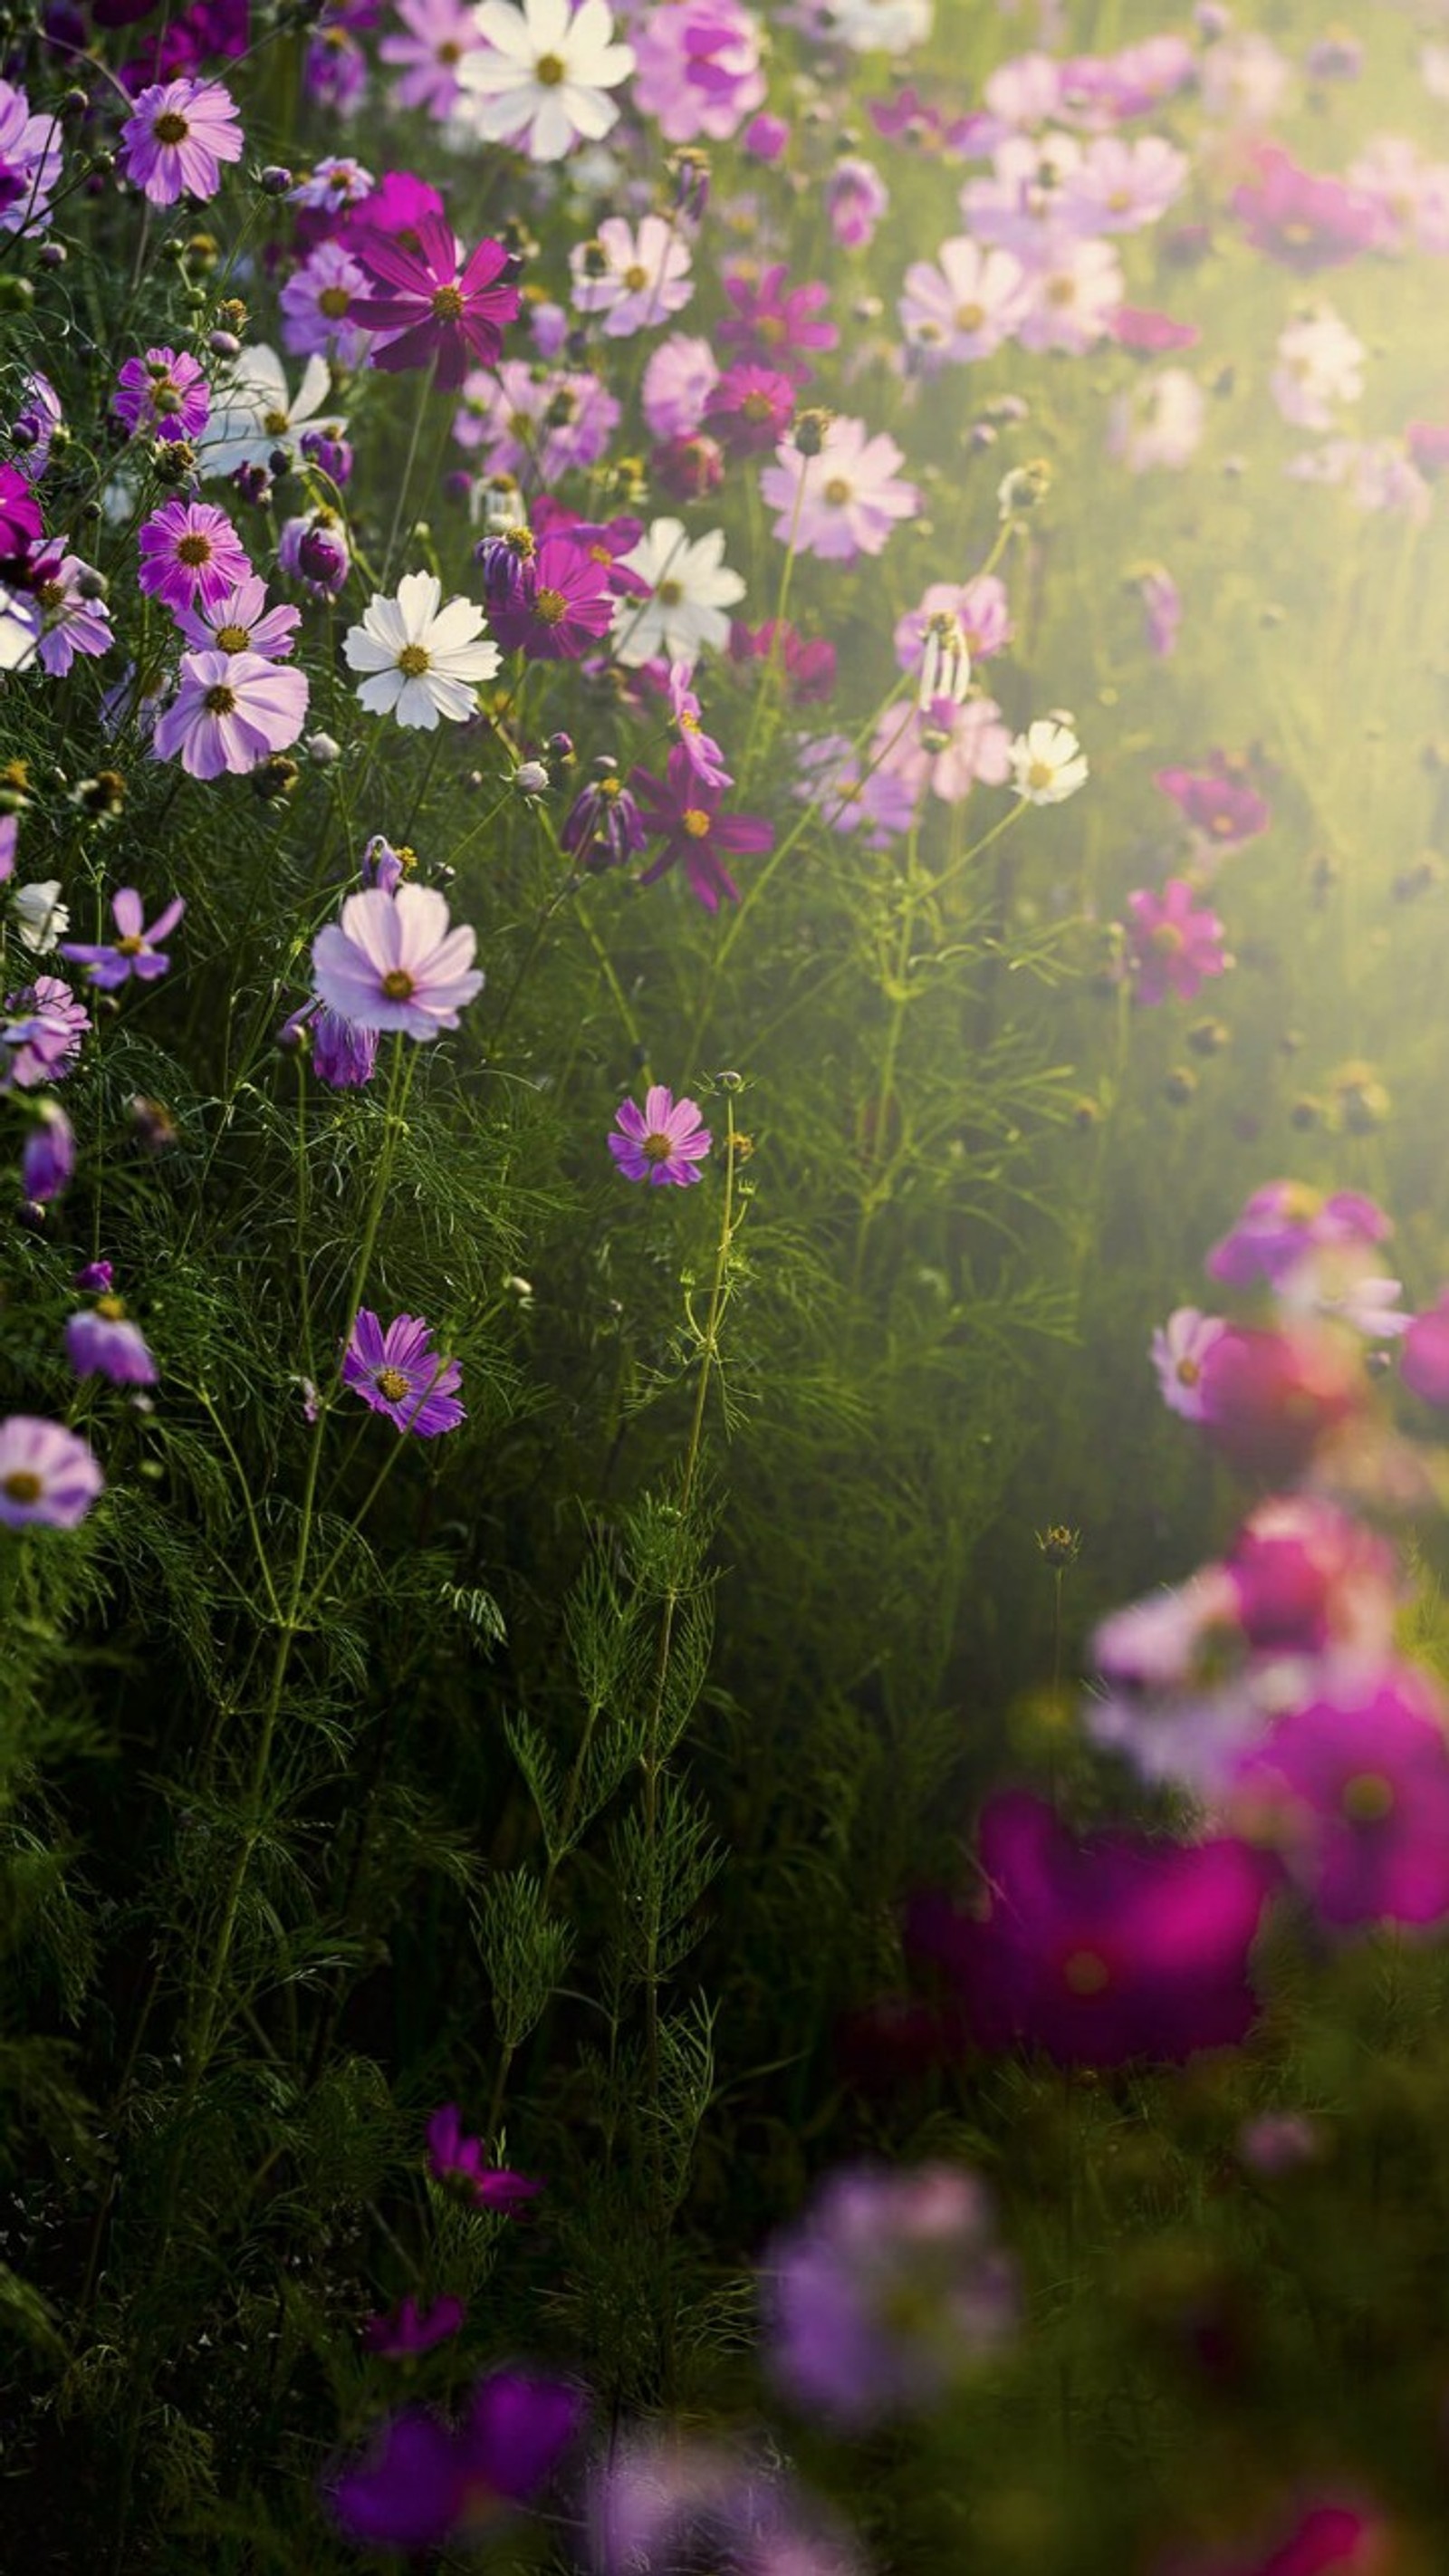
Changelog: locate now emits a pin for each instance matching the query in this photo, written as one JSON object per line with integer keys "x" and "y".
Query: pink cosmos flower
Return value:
{"x": 1425, "y": 1363}
{"x": 1285, "y": 1223}
{"x": 1120, "y": 186}
{"x": 135, "y": 949}
{"x": 41, "y": 1028}
{"x": 683, "y": 808}
{"x": 698, "y": 68}
{"x": 1353, "y": 1790}
{"x": 394, "y": 962}
{"x": 644, "y": 277}
{"x": 1077, "y": 289}
{"x": 176, "y": 138}
{"x": 437, "y": 34}
{"x": 230, "y": 711}
{"x": 1173, "y": 944}
{"x": 190, "y": 551}
{"x": 772, "y": 322}
{"x": 702, "y": 751}
{"x": 980, "y": 608}
{"x": 750, "y": 409}
{"x": 1326, "y": 2537}
{"x": 458, "y": 2162}
{"x": 432, "y": 307}
{"x": 1179, "y": 1348}
{"x": 1305, "y": 221}
{"x": 239, "y": 621}
{"x": 1139, "y": 326}
{"x": 49, "y": 1477}
{"x": 1099, "y": 1951}
{"x": 563, "y": 603}
{"x": 664, "y": 1142}
{"x": 536, "y": 423}
{"x": 162, "y": 395}
{"x": 30, "y": 162}
{"x": 1217, "y": 801}
{"x": 1271, "y": 1398}
{"x": 845, "y": 500}
{"x": 678, "y": 381}
{"x": 856, "y": 198}
{"x": 945, "y": 747}
{"x": 398, "y": 1372}
{"x": 70, "y": 621}
{"x": 965, "y": 303}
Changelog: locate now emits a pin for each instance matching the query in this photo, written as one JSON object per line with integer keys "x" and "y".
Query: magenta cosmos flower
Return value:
{"x": 230, "y": 711}
{"x": 431, "y": 308}
{"x": 1173, "y": 943}
{"x": 411, "y": 2329}
{"x": 164, "y": 395}
{"x": 190, "y": 551}
{"x": 885, "y": 2292}
{"x": 1353, "y": 1790}
{"x": 842, "y": 501}
{"x": 683, "y": 809}
{"x": 458, "y": 2162}
{"x": 1219, "y": 804}
{"x": 425, "y": 2481}
{"x": 772, "y": 322}
{"x": 1098, "y": 1951}
{"x": 49, "y": 1477}
{"x": 1303, "y": 220}
{"x": 177, "y": 137}
{"x": 393, "y": 962}
{"x": 666, "y": 1140}
{"x": 399, "y": 1373}
{"x": 1285, "y": 1223}
{"x": 561, "y": 604}
{"x": 135, "y": 950}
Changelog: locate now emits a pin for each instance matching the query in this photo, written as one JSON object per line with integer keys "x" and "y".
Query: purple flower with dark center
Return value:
{"x": 410, "y": 2329}
{"x": 771, "y": 322}
{"x": 164, "y": 395}
{"x": 750, "y": 409}
{"x": 102, "y": 1341}
{"x": 398, "y": 1372}
{"x": 563, "y": 602}
{"x": 603, "y": 826}
{"x": 458, "y": 2162}
{"x": 684, "y": 812}
{"x": 47, "y": 1158}
{"x": 431, "y": 309}
{"x": 135, "y": 949}
{"x": 425, "y": 2481}
{"x": 1353, "y": 1790}
{"x": 665, "y": 1141}
{"x": 230, "y": 710}
{"x": 176, "y": 138}
{"x": 190, "y": 551}
{"x": 49, "y": 1476}
{"x": 393, "y": 962}
{"x": 885, "y": 2293}
{"x": 1098, "y": 1951}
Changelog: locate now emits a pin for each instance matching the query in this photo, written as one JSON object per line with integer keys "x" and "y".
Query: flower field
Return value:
{"x": 724, "y": 1322}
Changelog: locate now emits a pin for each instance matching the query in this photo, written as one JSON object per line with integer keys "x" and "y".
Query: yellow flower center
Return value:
{"x": 232, "y": 639}
{"x": 1062, "y": 290}
{"x": 171, "y": 128}
{"x": 397, "y": 984}
{"x": 969, "y": 317}
{"x": 669, "y": 594}
{"x": 1085, "y": 1972}
{"x": 393, "y": 1384}
{"x": 636, "y": 278}
{"x": 1367, "y": 1798}
{"x": 112, "y": 1309}
{"x": 334, "y": 301}
{"x": 696, "y": 822}
{"x": 837, "y": 491}
{"x": 220, "y": 701}
{"x": 412, "y": 661}
{"x": 1040, "y": 775}
{"x": 133, "y": 945}
{"x": 1188, "y": 1372}
{"x": 50, "y": 594}
{"x": 448, "y": 304}
{"x": 277, "y": 423}
{"x": 194, "y": 551}
{"x": 549, "y": 71}
{"x": 22, "y": 1485}
{"x": 449, "y": 53}
{"x": 656, "y": 1148}
{"x": 550, "y": 608}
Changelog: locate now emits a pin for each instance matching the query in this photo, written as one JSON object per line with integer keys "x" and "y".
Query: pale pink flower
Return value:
{"x": 844, "y": 501}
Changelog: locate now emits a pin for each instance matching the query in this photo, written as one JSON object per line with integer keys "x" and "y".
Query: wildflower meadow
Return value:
{"x": 724, "y": 1299}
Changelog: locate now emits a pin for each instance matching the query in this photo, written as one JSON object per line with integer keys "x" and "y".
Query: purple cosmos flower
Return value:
{"x": 49, "y": 1477}
{"x": 30, "y": 162}
{"x": 1217, "y": 802}
{"x": 317, "y": 306}
{"x": 70, "y": 621}
{"x": 536, "y": 423}
{"x": 771, "y": 322}
{"x": 177, "y": 137}
{"x": 561, "y": 604}
{"x": 458, "y": 2162}
{"x": 856, "y": 197}
{"x": 343, "y": 1057}
{"x": 162, "y": 396}
{"x": 399, "y": 1373}
{"x": 437, "y": 34}
{"x": 809, "y": 663}
{"x": 431, "y": 308}
{"x": 424, "y": 2480}
{"x": 1173, "y": 943}
{"x": 190, "y": 551}
{"x": 40, "y": 1034}
{"x": 334, "y": 183}
{"x": 47, "y": 1158}
{"x": 666, "y": 1140}
{"x": 135, "y": 949}
{"x": 230, "y": 711}
{"x": 705, "y": 756}
{"x": 1352, "y": 1788}
{"x": 35, "y": 424}
{"x": 885, "y": 2292}
{"x": 633, "y": 279}
{"x": 698, "y": 68}
{"x": 684, "y": 811}
{"x": 1284, "y": 1224}
{"x": 241, "y": 622}
{"x": 314, "y": 549}
{"x": 1116, "y": 1947}
{"x": 393, "y": 962}
{"x": 1425, "y": 1363}
{"x": 662, "y": 2504}
{"x": 603, "y": 826}
{"x": 678, "y": 381}
{"x": 410, "y": 2330}
{"x": 101, "y": 1341}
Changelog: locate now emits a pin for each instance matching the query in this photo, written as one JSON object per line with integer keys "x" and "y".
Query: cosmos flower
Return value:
{"x": 47, "y": 1158}
{"x": 661, "y": 2503}
{"x": 253, "y": 413}
{"x": 190, "y": 551}
{"x": 135, "y": 950}
{"x": 424, "y": 2479}
{"x": 162, "y": 396}
{"x": 429, "y": 306}
{"x": 397, "y": 1372}
{"x": 49, "y": 1477}
{"x": 633, "y": 278}
{"x": 320, "y": 308}
{"x": 1048, "y": 762}
{"x": 844, "y": 498}
{"x": 458, "y": 2162}
{"x": 230, "y": 711}
{"x": 1173, "y": 943}
{"x": 689, "y": 588}
{"x": 664, "y": 1142}
{"x": 683, "y": 810}
{"x": 41, "y": 1028}
{"x": 102, "y": 1341}
{"x": 964, "y": 304}
{"x": 423, "y": 661}
{"x": 176, "y": 138}
{"x": 561, "y": 606}
{"x": 30, "y": 162}
{"x": 1352, "y": 1788}
{"x": 241, "y": 622}
{"x": 71, "y": 621}
{"x": 436, "y": 34}
{"x": 699, "y": 69}
{"x": 542, "y": 74}
{"x": 394, "y": 962}
{"x": 1179, "y": 1348}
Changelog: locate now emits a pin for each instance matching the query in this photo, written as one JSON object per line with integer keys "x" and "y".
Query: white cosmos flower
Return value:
{"x": 542, "y": 74}
{"x": 1048, "y": 763}
{"x": 40, "y": 918}
{"x": 253, "y": 412}
{"x": 690, "y": 585}
{"x": 424, "y": 660}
